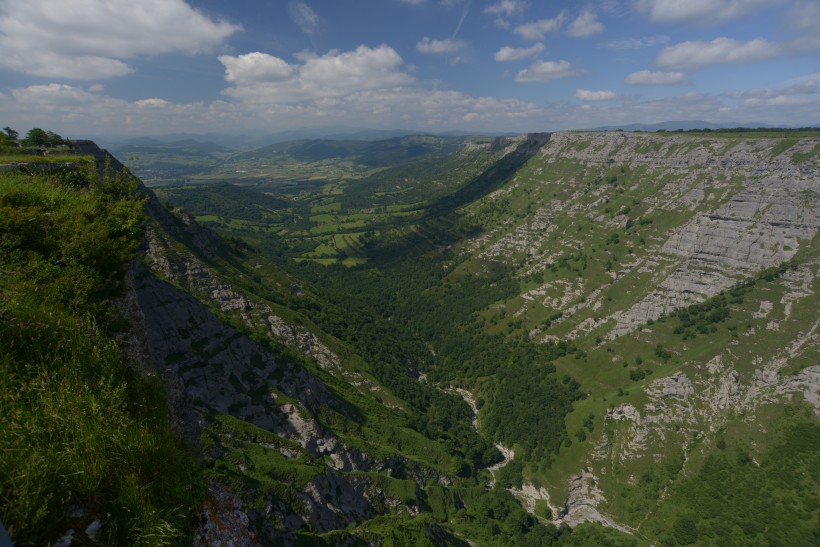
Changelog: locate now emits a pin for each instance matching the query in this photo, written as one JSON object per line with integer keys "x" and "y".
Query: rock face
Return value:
{"x": 223, "y": 521}
{"x": 741, "y": 209}
{"x": 747, "y": 207}
{"x": 582, "y": 503}
{"x": 717, "y": 211}
{"x": 176, "y": 305}
{"x": 211, "y": 360}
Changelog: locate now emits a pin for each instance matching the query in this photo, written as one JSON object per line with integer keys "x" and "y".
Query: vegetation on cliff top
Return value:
{"x": 84, "y": 439}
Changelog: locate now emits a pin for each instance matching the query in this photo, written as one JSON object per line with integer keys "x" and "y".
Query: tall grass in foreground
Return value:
{"x": 83, "y": 438}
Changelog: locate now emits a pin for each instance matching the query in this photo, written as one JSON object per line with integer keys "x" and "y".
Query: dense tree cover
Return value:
{"x": 226, "y": 200}
{"x": 441, "y": 335}
{"x": 738, "y": 499}
{"x": 410, "y": 313}
{"x": 528, "y": 406}
{"x": 79, "y": 428}
{"x": 405, "y": 184}
{"x": 395, "y": 356}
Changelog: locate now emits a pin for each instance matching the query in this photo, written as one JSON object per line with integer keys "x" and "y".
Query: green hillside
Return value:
{"x": 80, "y": 428}
{"x": 576, "y": 338}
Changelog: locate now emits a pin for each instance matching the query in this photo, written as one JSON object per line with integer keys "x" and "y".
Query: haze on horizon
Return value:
{"x": 137, "y": 67}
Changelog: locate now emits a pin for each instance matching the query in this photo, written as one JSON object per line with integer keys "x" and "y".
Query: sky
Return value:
{"x": 152, "y": 67}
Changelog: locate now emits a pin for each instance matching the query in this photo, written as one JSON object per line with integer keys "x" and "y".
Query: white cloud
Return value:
{"x": 542, "y": 71}
{"x": 804, "y": 90}
{"x": 645, "y": 77}
{"x": 587, "y": 95}
{"x": 538, "y": 30}
{"x": 699, "y": 11}
{"x": 50, "y": 94}
{"x": 90, "y": 39}
{"x": 636, "y": 43}
{"x": 75, "y": 112}
{"x": 439, "y": 47}
{"x": 68, "y": 110}
{"x": 304, "y": 17}
{"x": 584, "y": 25}
{"x": 719, "y": 50}
{"x": 262, "y": 78}
{"x": 507, "y": 53}
{"x": 507, "y": 8}
{"x": 152, "y": 103}
{"x": 804, "y": 16}
{"x": 255, "y": 67}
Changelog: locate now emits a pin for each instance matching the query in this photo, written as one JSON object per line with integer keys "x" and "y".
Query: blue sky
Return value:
{"x": 140, "y": 67}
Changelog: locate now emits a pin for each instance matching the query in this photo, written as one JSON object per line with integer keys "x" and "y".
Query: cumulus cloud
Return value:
{"x": 543, "y": 71}
{"x": 50, "y": 94}
{"x": 537, "y": 30}
{"x": 439, "y": 47}
{"x": 587, "y": 95}
{"x": 260, "y": 77}
{"x": 507, "y": 53}
{"x": 507, "y": 8}
{"x": 304, "y": 17}
{"x": 646, "y": 77}
{"x": 699, "y": 11}
{"x": 255, "y": 67}
{"x": 584, "y": 25}
{"x": 91, "y": 39}
{"x": 719, "y": 50}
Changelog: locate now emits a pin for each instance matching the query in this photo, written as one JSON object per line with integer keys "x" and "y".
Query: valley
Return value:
{"x": 576, "y": 338}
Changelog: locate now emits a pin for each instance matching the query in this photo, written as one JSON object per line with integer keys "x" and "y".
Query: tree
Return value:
{"x": 41, "y": 137}
{"x": 36, "y": 137}
{"x": 11, "y": 133}
{"x": 54, "y": 139}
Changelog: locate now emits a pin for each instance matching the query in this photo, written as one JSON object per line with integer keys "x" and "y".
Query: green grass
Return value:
{"x": 800, "y": 157}
{"x": 51, "y": 159}
{"x": 79, "y": 427}
{"x": 784, "y": 145}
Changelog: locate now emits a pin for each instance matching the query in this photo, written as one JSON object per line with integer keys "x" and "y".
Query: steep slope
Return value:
{"x": 632, "y": 318}
{"x": 86, "y": 451}
{"x": 301, "y": 434}
{"x": 298, "y": 435}
{"x": 693, "y": 262}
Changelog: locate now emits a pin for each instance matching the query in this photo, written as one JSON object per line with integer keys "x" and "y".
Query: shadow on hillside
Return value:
{"x": 440, "y": 226}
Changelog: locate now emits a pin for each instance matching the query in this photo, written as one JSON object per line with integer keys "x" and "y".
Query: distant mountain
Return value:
{"x": 137, "y": 141}
{"x": 365, "y": 152}
{"x": 254, "y": 141}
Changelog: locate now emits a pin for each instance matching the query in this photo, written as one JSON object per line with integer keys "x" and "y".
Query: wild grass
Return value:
{"x": 14, "y": 157}
{"x": 83, "y": 437}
